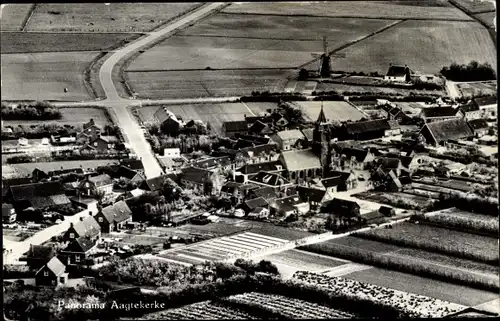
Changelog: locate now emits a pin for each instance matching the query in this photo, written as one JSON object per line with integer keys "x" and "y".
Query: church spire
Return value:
{"x": 321, "y": 117}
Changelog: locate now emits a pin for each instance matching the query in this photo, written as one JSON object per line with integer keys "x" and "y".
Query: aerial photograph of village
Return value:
{"x": 249, "y": 160}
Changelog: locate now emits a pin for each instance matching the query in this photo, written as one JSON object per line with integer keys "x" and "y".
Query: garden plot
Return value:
{"x": 422, "y": 286}
{"x": 439, "y": 240}
{"x": 70, "y": 116}
{"x": 362, "y": 9}
{"x": 396, "y": 199}
{"x": 343, "y": 88}
{"x": 462, "y": 220}
{"x": 471, "y": 89}
{"x": 205, "y": 83}
{"x": 409, "y": 304}
{"x": 14, "y": 16}
{"x": 205, "y": 310}
{"x": 113, "y": 17}
{"x": 338, "y": 111}
{"x": 304, "y": 260}
{"x": 31, "y": 42}
{"x": 290, "y": 308}
{"x": 43, "y": 76}
{"x": 425, "y": 46}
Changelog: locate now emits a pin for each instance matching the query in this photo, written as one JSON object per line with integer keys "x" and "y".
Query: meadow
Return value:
{"x": 424, "y": 286}
{"x": 115, "y": 17}
{"x": 14, "y": 16}
{"x": 362, "y": 9}
{"x": 31, "y": 42}
{"x": 334, "y": 110}
{"x": 205, "y": 83}
{"x": 341, "y": 88}
{"x": 425, "y": 46}
{"x": 43, "y": 76}
{"x": 74, "y": 116}
{"x": 471, "y": 89}
{"x": 304, "y": 260}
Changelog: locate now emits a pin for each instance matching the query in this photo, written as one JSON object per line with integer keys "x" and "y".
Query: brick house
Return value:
{"x": 91, "y": 185}
{"x": 113, "y": 218}
{"x": 231, "y": 128}
{"x": 86, "y": 227}
{"x": 437, "y": 133}
{"x": 78, "y": 251}
{"x": 53, "y": 273}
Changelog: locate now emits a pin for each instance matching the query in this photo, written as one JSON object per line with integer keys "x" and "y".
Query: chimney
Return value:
{"x": 70, "y": 224}
{"x": 90, "y": 213}
{"x": 81, "y": 219}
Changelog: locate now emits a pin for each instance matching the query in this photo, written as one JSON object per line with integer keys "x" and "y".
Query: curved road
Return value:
{"x": 130, "y": 128}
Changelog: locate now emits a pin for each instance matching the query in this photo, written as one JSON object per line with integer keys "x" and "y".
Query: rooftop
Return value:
{"x": 300, "y": 159}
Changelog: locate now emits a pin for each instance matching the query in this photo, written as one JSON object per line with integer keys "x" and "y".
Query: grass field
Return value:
{"x": 28, "y": 168}
{"x": 431, "y": 238}
{"x": 43, "y": 76}
{"x": 477, "y": 89}
{"x": 13, "y": 16}
{"x": 339, "y": 31}
{"x": 322, "y": 86}
{"x": 115, "y": 17}
{"x": 216, "y": 114}
{"x": 334, "y": 110}
{"x": 303, "y": 260}
{"x": 202, "y": 83}
{"x": 424, "y": 46}
{"x": 30, "y": 42}
{"x": 373, "y": 246}
{"x": 488, "y": 18}
{"x": 475, "y": 6}
{"x": 362, "y": 9}
{"x": 75, "y": 116}
{"x": 423, "y": 286}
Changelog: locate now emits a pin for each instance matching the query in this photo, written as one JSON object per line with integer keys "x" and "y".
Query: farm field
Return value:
{"x": 424, "y": 46}
{"x": 475, "y": 6}
{"x": 205, "y": 310}
{"x": 363, "y": 9}
{"x": 13, "y": 16}
{"x": 334, "y": 110}
{"x": 216, "y": 114}
{"x": 31, "y": 42}
{"x": 477, "y": 88}
{"x": 339, "y": 31}
{"x": 340, "y": 88}
{"x": 303, "y": 260}
{"x": 488, "y": 18}
{"x": 456, "y": 215}
{"x": 27, "y": 168}
{"x": 115, "y": 17}
{"x": 43, "y": 76}
{"x": 205, "y": 83}
{"x": 429, "y": 237}
{"x": 368, "y": 245}
{"x": 423, "y": 286}
{"x": 74, "y": 116}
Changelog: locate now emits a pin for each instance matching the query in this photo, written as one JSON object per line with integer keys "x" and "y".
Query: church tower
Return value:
{"x": 321, "y": 141}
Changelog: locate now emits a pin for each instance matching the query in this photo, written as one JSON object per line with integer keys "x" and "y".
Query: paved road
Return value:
{"x": 18, "y": 248}
{"x": 452, "y": 90}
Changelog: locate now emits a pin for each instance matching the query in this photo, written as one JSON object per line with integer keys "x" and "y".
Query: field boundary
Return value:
{"x": 28, "y": 17}
{"x": 123, "y": 64}
{"x": 353, "y": 42}
{"x": 203, "y": 69}
{"x": 344, "y": 17}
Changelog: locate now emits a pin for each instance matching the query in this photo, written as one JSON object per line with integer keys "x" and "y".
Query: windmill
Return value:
{"x": 324, "y": 59}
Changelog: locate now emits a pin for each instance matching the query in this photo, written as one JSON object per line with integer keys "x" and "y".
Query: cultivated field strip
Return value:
{"x": 222, "y": 248}
{"x": 289, "y": 307}
{"x": 200, "y": 311}
{"x": 410, "y": 304}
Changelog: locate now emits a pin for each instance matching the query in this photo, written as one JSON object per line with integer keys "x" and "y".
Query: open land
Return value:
{"x": 115, "y": 17}
{"x": 475, "y": 6}
{"x": 334, "y": 110}
{"x": 424, "y": 46}
{"x": 252, "y": 42}
{"x": 43, "y": 76}
{"x": 470, "y": 89}
{"x": 303, "y": 260}
{"x": 205, "y": 83}
{"x": 423, "y": 286}
{"x": 362, "y": 9}
{"x": 30, "y": 42}
{"x": 216, "y": 114}
{"x": 74, "y": 116}
{"x": 388, "y": 198}
{"x": 27, "y": 168}
{"x": 488, "y": 18}
{"x": 341, "y": 88}
{"x": 14, "y": 16}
